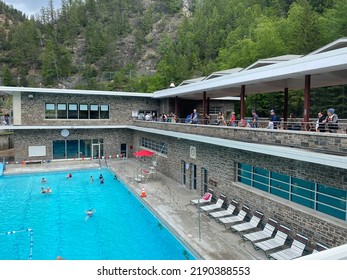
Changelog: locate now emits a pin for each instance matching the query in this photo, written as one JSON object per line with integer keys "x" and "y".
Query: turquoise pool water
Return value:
{"x": 122, "y": 228}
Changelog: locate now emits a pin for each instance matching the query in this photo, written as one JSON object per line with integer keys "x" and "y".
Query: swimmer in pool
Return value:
{"x": 89, "y": 213}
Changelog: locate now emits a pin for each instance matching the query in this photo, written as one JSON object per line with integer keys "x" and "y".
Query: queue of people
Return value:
{"x": 325, "y": 123}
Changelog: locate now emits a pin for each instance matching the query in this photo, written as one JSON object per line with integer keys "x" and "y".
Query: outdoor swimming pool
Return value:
{"x": 122, "y": 228}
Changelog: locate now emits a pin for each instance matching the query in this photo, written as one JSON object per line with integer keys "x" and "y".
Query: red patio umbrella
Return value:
{"x": 143, "y": 153}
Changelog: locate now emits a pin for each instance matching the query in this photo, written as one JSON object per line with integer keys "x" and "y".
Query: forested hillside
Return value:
{"x": 144, "y": 45}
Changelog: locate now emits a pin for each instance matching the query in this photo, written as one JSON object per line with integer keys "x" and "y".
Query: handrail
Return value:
{"x": 298, "y": 125}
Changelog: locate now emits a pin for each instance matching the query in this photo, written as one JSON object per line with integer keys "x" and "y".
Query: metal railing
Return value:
{"x": 298, "y": 125}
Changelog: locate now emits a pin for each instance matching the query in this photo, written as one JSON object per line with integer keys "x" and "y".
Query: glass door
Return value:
{"x": 96, "y": 151}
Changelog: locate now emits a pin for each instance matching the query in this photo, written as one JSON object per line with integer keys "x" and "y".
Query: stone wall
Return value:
{"x": 33, "y": 109}
{"x": 221, "y": 164}
{"x": 113, "y": 138}
{"x": 321, "y": 142}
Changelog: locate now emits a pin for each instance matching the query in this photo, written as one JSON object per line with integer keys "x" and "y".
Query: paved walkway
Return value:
{"x": 171, "y": 202}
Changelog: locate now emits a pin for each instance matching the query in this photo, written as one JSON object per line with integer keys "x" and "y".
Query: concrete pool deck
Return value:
{"x": 171, "y": 202}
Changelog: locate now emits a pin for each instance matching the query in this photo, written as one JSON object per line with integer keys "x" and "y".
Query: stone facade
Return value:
{"x": 318, "y": 142}
{"x": 113, "y": 138}
{"x": 33, "y": 109}
{"x": 221, "y": 164}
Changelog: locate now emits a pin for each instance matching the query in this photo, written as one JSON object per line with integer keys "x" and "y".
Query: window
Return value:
{"x": 204, "y": 181}
{"x": 326, "y": 199}
{"x": 261, "y": 179}
{"x": 279, "y": 185}
{"x": 83, "y": 111}
{"x": 154, "y": 145}
{"x": 104, "y": 112}
{"x": 73, "y": 149}
{"x": 73, "y": 111}
{"x": 94, "y": 111}
{"x": 76, "y": 111}
{"x": 62, "y": 111}
{"x": 50, "y": 111}
{"x": 245, "y": 174}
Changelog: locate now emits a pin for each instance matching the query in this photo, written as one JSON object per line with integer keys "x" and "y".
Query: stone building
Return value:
{"x": 298, "y": 178}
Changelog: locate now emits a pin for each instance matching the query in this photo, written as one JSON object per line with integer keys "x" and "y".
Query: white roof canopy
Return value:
{"x": 327, "y": 67}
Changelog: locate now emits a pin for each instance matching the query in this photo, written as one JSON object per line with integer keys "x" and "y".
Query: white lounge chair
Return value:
{"x": 296, "y": 249}
{"x": 252, "y": 224}
{"x": 273, "y": 243}
{"x": 229, "y": 211}
{"x": 266, "y": 233}
{"x": 319, "y": 248}
{"x": 226, "y": 221}
{"x": 202, "y": 201}
{"x": 217, "y": 206}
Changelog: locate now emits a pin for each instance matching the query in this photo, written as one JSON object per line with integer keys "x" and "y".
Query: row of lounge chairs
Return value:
{"x": 266, "y": 239}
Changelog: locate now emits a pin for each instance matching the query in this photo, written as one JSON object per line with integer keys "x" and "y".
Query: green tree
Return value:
{"x": 7, "y": 76}
{"x": 304, "y": 28}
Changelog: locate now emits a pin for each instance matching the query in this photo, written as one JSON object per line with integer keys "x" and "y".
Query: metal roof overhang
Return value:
{"x": 10, "y": 90}
{"x": 326, "y": 69}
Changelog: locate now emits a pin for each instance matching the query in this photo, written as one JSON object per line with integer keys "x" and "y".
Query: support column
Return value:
{"x": 208, "y": 105}
{"x": 242, "y": 99}
{"x": 307, "y": 98}
{"x": 177, "y": 106}
{"x": 204, "y": 105}
{"x": 285, "y": 109}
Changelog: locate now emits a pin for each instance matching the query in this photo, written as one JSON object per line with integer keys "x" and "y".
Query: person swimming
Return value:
{"x": 43, "y": 180}
{"x": 48, "y": 190}
{"x": 69, "y": 175}
{"x": 90, "y": 212}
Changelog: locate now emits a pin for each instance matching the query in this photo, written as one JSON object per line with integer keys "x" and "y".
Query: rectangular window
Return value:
{"x": 329, "y": 200}
{"x": 85, "y": 148}
{"x": 59, "y": 149}
{"x": 84, "y": 114}
{"x": 50, "y": 111}
{"x": 62, "y": 111}
{"x": 261, "y": 179}
{"x": 154, "y": 145}
{"x": 331, "y": 211}
{"x": 104, "y": 112}
{"x": 72, "y": 147}
{"x": 245, "y": 174}
{"x": 73, "y": 111}
{"x": 332, "y": 196}
{"x": 280, "y": 185}
{"x": 204, "y": 173}
{"x": 94, "y": 111}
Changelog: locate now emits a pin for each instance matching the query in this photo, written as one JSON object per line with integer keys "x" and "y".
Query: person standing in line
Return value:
{"x": 194, "y": 117}
{"x": 320, "y": 125}
{"x": 274, "y": 119}
{"x": 233, "y": 119}
{"x": 332, "y": 120}
{"x": 254, "y": 119}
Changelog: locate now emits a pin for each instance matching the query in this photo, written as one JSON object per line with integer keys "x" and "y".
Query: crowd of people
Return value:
{"x": 324, "y": 123}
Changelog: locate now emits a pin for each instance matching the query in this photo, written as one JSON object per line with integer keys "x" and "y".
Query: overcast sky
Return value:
{"x": 31, "y": 7}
